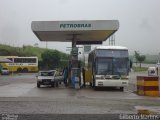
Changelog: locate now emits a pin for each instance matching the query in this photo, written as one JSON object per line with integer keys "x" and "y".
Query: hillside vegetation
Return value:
{"x": 150, "y": 59}
{"x": 6, "y": 50}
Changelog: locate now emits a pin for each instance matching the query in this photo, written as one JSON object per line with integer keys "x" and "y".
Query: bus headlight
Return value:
{"x": 124, "y": 77}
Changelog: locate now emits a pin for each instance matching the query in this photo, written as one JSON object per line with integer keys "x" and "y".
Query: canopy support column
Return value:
{"x": 75, "y": 70}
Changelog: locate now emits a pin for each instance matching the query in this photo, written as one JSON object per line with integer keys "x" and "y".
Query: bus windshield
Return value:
{"x": 112, "y": 66}
{"x": 104, "y": 66}
{"x": 120, "y": 66}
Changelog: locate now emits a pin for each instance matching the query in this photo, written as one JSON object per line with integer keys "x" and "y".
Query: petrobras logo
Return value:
{"x": 75, "y": 26}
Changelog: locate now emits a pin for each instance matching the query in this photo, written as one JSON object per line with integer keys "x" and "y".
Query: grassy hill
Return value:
{"x": 6, "y": 50}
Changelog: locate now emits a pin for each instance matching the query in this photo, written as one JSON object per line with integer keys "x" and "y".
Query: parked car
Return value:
{"x": 4, "y": 71}
{"x": 49, "y": 77}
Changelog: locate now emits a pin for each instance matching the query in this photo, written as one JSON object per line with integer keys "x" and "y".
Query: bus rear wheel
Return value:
{"x": 25, "y": 70}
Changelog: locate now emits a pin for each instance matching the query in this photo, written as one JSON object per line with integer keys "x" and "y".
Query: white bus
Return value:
{"x": 21, "y": 64}
{"x": 109, "y": 66}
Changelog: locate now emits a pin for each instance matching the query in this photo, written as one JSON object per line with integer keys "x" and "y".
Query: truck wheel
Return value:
{"x": 38, "y": 85}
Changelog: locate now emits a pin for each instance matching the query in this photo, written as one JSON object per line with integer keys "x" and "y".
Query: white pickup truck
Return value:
{"x": 49, "y": 77}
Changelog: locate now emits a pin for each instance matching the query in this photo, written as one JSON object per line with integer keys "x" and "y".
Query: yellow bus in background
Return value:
{"x": 21, "y": 64}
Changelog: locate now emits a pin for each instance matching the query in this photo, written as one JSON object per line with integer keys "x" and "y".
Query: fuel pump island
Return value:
{"x": 79, "y": 33}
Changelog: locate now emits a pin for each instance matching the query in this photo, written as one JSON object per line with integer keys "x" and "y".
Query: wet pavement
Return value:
{"x": 15, "y": 90}
{"x": 19, "y": 94}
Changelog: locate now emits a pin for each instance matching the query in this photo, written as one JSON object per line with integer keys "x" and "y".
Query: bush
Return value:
{"x": 140, "y": 69}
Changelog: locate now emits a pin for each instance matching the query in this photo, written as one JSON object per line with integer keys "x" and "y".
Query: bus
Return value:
{"x": 109, "y": 66}
{"x": 21, "y": 64}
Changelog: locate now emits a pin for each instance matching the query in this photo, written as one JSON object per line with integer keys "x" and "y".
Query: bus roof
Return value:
{"x": 112, "y": 47}
{"x": 5, "y": 60}
{"x": 17, "y": 57}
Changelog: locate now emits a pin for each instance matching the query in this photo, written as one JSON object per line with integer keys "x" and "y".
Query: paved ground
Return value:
{"x": 19, "y": 95}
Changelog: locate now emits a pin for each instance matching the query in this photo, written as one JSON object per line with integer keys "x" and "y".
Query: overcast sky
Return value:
{"x": 139, "y": 20}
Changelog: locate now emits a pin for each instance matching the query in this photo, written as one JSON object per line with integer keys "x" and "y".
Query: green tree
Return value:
{"x": 64, "y": 60}
{"x": 50, "y": 59}
{"x": 4, "y": 52}
{"x": 139, "y": 58}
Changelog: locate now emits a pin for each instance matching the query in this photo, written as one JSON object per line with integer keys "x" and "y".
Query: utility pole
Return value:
{"x": 112, "y": 40}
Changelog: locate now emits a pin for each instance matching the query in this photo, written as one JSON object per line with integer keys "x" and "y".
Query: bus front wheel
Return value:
{"x": 19, "y": 70}
{"x": 121, "y": 88}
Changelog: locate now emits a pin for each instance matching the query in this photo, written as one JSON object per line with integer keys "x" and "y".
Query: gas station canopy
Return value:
{"x": 83, "y": 31}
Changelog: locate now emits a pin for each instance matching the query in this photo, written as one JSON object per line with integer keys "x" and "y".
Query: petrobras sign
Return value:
{"x": 75, "y": 26}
